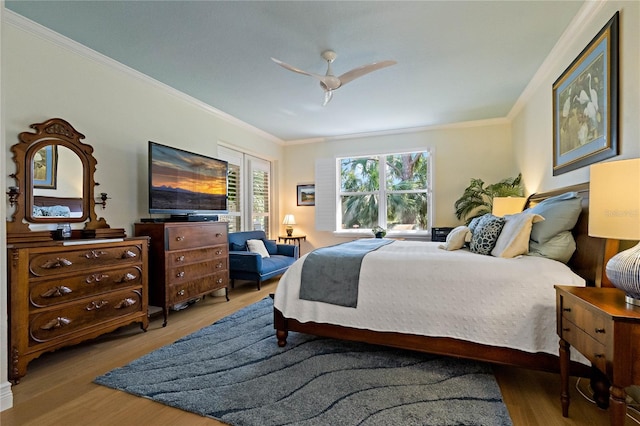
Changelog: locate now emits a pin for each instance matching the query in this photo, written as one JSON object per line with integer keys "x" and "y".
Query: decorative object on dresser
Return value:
{"x": 605, "y": 329}
{"x": 188, "y": 260}
{"x": 62, "y": 293}
{"x": 72, "y": 203}
{"x": 615, "y": 214}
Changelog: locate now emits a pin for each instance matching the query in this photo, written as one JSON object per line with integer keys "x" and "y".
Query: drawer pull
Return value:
{"x": 219, "y": 265}
{"x": 180, "y": 238}
{"x": 56, "y": 291}
{"x": 599, "y": 356}
{"x": 600, "y": 330}
{"x": 96, "y": 305}
{"x": 566, "y": 309}
{"x": 125, "y": 303}
{"x": 94, "y": 254}
{"x": 58, "y": 262}
{"x": 218, "y": 252}
{"x": 180, "y": 259}
{"x": 56, "y": 323}
{"x": 126, "y": 278}
{"x": 566, "y": 329}
{"x": 218, "y": 235}
{"x": 180, "y": 274}
{"x": 181, "y": 293}
{"x": 128, "y": 254}
{"x": 95, "y": 278}
{"x": 220, "y": 281}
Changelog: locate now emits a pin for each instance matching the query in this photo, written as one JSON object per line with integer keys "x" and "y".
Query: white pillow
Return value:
{"x": 456, "y": 238}
{"x": 257, "y": 246}
{"x": 514, "y": 237}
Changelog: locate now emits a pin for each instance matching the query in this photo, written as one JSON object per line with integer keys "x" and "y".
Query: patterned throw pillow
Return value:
{"x": 486, "y": 234}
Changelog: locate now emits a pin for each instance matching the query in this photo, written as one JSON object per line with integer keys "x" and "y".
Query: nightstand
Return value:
{"x": 295, "y": 238}
{"x": 606, "y": 330}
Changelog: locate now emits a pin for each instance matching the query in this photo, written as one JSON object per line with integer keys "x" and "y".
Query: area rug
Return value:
{"x": 235, "y": 372}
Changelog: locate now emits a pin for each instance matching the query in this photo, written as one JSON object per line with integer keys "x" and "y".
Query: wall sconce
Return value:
{"x": 289, "y": 220}
{"x": 103, "y": 200}
{"x": 13, "y": 194}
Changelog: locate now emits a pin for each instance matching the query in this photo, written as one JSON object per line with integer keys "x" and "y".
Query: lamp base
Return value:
{"x": 623, "y": 270}
{"x": 289, "y": 231}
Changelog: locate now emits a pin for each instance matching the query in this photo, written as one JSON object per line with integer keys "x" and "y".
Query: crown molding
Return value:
{"x": 31, "y": 27}
{"x": 586, "y": 14}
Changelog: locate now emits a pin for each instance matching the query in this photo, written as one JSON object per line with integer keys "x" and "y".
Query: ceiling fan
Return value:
{"x": 329, "y": 82}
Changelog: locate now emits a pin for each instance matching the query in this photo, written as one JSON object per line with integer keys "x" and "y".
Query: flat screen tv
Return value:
{"x": 183, "y": 183}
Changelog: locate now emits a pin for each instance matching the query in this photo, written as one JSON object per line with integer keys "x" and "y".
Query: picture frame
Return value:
{"x": 585, "y": 104}
{"x": 306, "y": 195}
{"x": 45, "y": 167}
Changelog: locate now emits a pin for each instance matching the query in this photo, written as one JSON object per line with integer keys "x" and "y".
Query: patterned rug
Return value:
{"x": 235, "y": 372}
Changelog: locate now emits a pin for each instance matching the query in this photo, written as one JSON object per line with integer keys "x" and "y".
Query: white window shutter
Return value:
{"x": 326, "y": 212}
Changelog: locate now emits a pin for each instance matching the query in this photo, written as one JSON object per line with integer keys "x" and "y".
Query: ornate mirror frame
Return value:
{"x": 58, "y": 132}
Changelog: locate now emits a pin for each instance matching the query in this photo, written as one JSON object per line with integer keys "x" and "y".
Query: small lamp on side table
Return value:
{"x": 289, "y": 220}
{"x": 614, "y": 212}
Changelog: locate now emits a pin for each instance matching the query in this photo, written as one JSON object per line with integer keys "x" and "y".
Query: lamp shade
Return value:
{"x": 614, "y": 200}
{"x": 289, "y": 219}
{"x": 507, "y": 205}
{"x": 614, "y": 212}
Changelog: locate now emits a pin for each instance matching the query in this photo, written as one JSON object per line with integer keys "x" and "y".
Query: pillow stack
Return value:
{"x": 543, "y": 230}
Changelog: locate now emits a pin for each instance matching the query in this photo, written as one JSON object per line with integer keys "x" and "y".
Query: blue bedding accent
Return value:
{"x": 331, "y": 274}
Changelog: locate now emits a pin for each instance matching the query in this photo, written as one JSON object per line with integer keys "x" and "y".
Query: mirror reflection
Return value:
{"x": 57, "y": 183}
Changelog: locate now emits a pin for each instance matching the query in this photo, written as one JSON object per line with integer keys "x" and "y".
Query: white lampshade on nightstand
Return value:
{"x": 507, "y": 205}
{"x": 614, "y": 212}
{"x": 289, "y": 220}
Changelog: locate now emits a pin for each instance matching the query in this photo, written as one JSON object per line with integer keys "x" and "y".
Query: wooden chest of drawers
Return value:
{"x": 61, "y": 295}
{"x": 601, "y": 326}
{"x": 187, "y": 261}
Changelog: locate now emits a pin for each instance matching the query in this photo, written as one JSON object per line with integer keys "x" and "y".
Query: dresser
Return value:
{"x": 599, "y": 324}
{"x": 188, "y": 260}
{"x": 61, "y": 295}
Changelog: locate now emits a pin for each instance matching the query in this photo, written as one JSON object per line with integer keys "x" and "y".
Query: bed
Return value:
{"x": 384, "y": 320}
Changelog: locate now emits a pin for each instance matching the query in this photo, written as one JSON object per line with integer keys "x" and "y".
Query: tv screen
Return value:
{"x": 186, "y": 183}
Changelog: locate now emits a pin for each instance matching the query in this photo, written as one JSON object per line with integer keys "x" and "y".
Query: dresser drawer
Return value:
{"x": 185, "y": 257}
{"x": 194, "y": 271}
{"x": 584, "y": 343}
{"x": 53, "y": 324}
{"x": 180, "y": 292}
{"x": 51, "y": 292}
{"x": 596, "y": 325}
{"x": 196, "y": 236}
{"x": 66, "y": 262}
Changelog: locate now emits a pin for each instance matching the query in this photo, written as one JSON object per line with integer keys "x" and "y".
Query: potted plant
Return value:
{"x": 477, "y": 200}
{"x": 378, "y": 231}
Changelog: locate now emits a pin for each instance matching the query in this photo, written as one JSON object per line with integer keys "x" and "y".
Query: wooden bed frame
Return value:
{"x": 587, "y": 261}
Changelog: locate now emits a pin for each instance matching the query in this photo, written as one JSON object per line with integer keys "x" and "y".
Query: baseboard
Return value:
{"x": 6, "y": 396}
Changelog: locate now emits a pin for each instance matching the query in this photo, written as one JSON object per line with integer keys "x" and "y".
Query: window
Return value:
{"x": 249, "y": 191}
{"x": 391, "y": 191}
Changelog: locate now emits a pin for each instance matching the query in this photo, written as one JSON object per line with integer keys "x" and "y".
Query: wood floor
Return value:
{"x": 58, "y": 388}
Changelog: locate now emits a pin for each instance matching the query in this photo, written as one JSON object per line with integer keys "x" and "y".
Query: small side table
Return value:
{"x": 294, "y": 238}
{"x": 606, "y": 330}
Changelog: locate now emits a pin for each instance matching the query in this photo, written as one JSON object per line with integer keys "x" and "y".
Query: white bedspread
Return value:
{"x": 417, "y": 288}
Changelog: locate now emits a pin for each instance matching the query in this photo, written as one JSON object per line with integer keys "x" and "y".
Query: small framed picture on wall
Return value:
{"x": 306, "y": 195}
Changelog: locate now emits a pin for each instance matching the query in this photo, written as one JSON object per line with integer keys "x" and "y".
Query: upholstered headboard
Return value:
{"x": 591, "y": 253}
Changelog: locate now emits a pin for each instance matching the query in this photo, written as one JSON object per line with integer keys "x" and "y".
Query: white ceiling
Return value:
{"x": 457, "y": 60}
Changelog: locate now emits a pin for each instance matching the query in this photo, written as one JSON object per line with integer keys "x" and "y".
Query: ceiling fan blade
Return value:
{"x": 298, "y": 70}
{"x": 365, "y": 69}
{"x": 328, "y": 94}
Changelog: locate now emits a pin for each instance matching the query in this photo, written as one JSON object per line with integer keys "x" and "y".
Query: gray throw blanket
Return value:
{"x": 331, "y": 274}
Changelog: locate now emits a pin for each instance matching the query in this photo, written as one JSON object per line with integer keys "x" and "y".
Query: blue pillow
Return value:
{"x": 271, "y": 246}
{"x": 238, "y": 247}
{"x": 560, "y": 214}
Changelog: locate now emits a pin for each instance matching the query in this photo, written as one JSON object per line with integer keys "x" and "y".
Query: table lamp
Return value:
{"x": 289, "y": 220}
{"x": 614, "y": 212}
{"x": 507, "y": 205}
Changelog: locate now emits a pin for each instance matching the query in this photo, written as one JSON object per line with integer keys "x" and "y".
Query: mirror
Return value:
{"x": 55, "y": 179}
{"x": 57, "y": 191}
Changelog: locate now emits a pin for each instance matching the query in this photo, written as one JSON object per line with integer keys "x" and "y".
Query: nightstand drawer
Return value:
{"x": 596, "y": 325}
{"x": 584, "y": 343}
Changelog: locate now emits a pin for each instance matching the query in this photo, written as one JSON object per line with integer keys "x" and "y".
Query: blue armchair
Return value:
{"x": 246, "y": 265}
